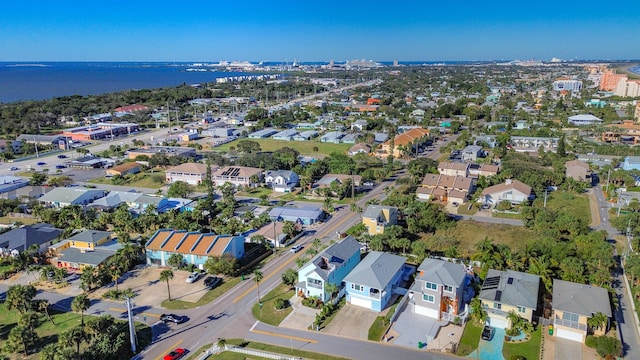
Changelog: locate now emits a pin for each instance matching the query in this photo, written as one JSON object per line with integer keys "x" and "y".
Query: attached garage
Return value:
{"x": 432, "y": 313}
{"x": 497, "y": 322}
{"x": 570, "y": 334}
{"x": 360, "y": 302}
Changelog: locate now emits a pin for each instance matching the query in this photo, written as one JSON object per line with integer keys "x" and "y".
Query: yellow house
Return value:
{"x": 506, "y": 291}
{"x": 88, "y": 248}
{"x": 573, "y": 305}
{"x": 377, "y": 218}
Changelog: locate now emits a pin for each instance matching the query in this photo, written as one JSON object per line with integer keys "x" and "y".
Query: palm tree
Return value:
{"x": 222, "y": 342}
{"x": 331, "y": 288}
{"x": 80, "y": 304}
{"x": 477, "y": 312}
{"x": 43, "y": 306}
{"x": 71, "y": 337}
{"x": 597, "y": 321}
{"x": 257, "y": 277}
{"x": 515, "y": 319}
{"x": 167, "y": 275}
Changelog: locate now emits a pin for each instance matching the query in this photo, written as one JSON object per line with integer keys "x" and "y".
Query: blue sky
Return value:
{"x": 273, "y": 30}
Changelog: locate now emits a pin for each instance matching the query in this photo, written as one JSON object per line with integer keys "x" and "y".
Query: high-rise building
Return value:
{"x": 610, "y": 80}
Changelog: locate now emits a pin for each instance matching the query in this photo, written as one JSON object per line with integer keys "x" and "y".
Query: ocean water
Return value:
{"x": 37, "y": 81}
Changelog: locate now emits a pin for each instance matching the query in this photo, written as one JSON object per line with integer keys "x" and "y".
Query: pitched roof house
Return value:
{"x": 191, "y": 173}
{"x": 454, "y": 169}
{"x": 373, "y": 282}
{"x": 195, "y": 247}
{"x": 282, "y": 180}
{"x": 441, "y": 289}
{"x": 328, "y": 267}
{"x": 505, "y": 291}
{"x": 87, "y": 248}
{"x": 359, "y": 148}
{"x": 65, "y": 196}
{"x": 376, "y": 218}
{"x": 578, "y": 170}
{"x": 401, "y": 143}
{"x": 514, "y": 191}
{"x": 445, "y": 188}
{"x": 18, "y": 240}
{"x": 573, "y": 305}
{"x": 237, "y": 175}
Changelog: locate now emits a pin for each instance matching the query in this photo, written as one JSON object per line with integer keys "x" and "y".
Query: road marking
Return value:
{"x": 329, "y": 232}
{"x": 125, "y": 310}
{"x": 170, "y": 349}
{"x": 285, "y": 336}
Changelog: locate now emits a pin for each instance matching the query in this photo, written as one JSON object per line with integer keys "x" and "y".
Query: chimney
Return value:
{"x": 508, "y": 181}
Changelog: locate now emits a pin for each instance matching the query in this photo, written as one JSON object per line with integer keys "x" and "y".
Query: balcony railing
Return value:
{"x": 316, "y": 286}
{"x": 570, "y": 324}
{"x": 496, "y": 312}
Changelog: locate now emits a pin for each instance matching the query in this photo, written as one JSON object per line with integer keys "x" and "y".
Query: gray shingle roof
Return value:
{"x": 580, "y": 299}
{"x": 442, "y": 272}
{"x": 335, "y": 255}
{"x": 376, "y": 270}
{"x": 511, "y": 287}
{"x": 373, "y": 211}
{"x": 93, "y": 258}
{"x": 22, "y": 238}
{"x": 90, "y": 236}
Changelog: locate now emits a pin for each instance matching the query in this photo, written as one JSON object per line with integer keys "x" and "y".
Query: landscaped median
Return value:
{"x": 268, "y": 313}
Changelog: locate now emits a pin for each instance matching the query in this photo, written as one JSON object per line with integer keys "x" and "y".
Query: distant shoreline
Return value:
{"x": 633, "y": 74}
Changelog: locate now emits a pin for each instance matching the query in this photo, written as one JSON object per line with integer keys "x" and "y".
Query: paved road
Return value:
{"x": 624, "y": 314}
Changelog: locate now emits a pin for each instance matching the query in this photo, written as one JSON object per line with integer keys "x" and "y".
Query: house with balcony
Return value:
{"x": 472, "y": 153}
{"x": 513, "y": 191}
{"x": 441, "y": 290}
{"x": 506, "y": 291}
{"x": 373, "y": 282}
{"x": 573, "y": 305}
{"x": 195, "y": 247}
{"x": 21, "y": 239}
{"x": 445, "y": 188}
{"x": 377, "y": 218}
{"x": 237, "y": 175}
{"x": 454, "y": 169}
{"x": 328, "y": 267}
{"x": 190, "y": 173}
{"x": 283, "y": 181}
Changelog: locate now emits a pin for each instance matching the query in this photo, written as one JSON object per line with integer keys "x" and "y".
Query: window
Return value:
{"x": 497, "y": 305}
{"x": 357, "y": 287}
{"x": 448, "y": 288}
{"x": 428, "y": 298}
{"x": 521, "y": 309}
{"x": 569, "y": 316}
{"x": 431, "y": 286}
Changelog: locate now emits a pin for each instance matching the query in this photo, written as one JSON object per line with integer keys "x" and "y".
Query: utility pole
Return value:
{"x": 132, "y": 329}
{"x": 545, "y": 197}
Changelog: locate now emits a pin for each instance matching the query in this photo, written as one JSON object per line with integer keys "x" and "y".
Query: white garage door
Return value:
{"x": 497, "y": 322}
{"x": 432, "y": 313}
{"x": 361, "y": 302}
{"x": 569, "y": 335}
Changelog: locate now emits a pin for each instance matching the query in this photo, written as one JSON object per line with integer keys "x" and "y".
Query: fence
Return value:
{"x": 263, "y": 354}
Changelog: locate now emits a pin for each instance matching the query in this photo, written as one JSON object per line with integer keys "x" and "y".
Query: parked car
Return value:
{"x": 14, "y": 168}
{"x": 41, "y": 163}
{"x": 176, "y": 319}
{"x": 212, "y": 281}
{"x": 175, "y": 354}
{"x": 60, "y": 166}
{"x": 62, "y": 156}
{"x": 296, "y": 248}
{"x": 193, "y": 277}
{"x": 367, "y": 184}
{"x": 487, "y": 333}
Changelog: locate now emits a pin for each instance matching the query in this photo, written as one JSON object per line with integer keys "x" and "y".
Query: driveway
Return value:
{"x": 493, "y": 349}
{"x": 301, "y": 317}
{"x": 567, "y": 349}
{"x": 353, "y": 321}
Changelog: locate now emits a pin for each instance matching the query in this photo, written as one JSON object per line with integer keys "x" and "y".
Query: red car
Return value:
{"x": 175, "y": 354}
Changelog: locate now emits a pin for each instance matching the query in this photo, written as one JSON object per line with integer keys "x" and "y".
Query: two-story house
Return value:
{"x": 573, "y": 305}
{"x": 283, "y": 181}
{"x": 445, "y": 188}
{"x": 328, "y": 267}
{"x": 373, "y": 282}
{"x": 377, "y": 218}
{"x": 578, "y": 170}
{"x": 87, "y": 248}
{"x": 191, "y": 173}
{"x": 21, "y": 239}
{"x": 513, "y": 191}
{"x": 505, "y": 291}
{"x": 441, "y": 289}
{"x": 454, "y": 169}
{"x": 237, "y": 175}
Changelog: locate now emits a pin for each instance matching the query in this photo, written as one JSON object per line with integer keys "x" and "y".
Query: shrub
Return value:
{"x": 608, "y": 346}
{"x": 591, "y": 341}
{"x": 517, "y": 357}
{"x": 280, "y": 304}
{"x": 312, "y": 302}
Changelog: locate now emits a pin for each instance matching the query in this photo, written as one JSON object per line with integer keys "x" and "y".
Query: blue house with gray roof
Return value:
{"x": 328, "y": 267}
{"x": 631, "y": 163}
{"x": 374, "y": 281}
{"x": 303, "y": 215}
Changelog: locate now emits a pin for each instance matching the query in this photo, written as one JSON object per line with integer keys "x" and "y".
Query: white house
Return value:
{"x": 282, "y": 180}
{"x": 514, "y": 191}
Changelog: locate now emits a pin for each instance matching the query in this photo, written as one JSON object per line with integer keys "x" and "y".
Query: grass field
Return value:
{"x": 560, "y": 200}
{"x": 7, "y": 220}
{"x": 303, "y": 147}
{"x": 529, "y": 349}
{"x": 469, "y": 232}
{"x": 208, "y": 297}
{"x": 282, "y": 350}
{"x": 269, "y": 314}
{"x": 146, "y": 179}
{"x": 470, "y": 339}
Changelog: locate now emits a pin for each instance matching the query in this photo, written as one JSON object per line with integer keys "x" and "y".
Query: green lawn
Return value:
{"x": 381, "y": 323}
{"x": 529, "y": 349}
{"x": 303, "y": 147}
{"x": 256, "y": 192}
{"x": 561, "y": 201}
{"x": 470, "y": 339}
{"x": 269, "y": 314}
{"x": 208, "y": 297}
{"x": 282, "y": 350}
{"x": 146, "y": 179}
